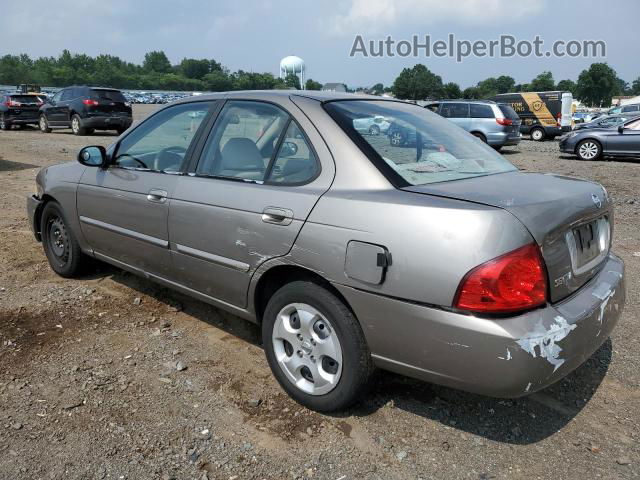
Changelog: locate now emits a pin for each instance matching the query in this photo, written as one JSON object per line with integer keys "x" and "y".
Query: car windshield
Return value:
{"x": 418, "y": 147}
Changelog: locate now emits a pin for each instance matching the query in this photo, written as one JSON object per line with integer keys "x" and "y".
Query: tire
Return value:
{"x": 76, "y": 125}
{"x": 397, "y": 139}
{"x": 4, "y": 125}
{"x": 120, "y": 131}
{"x": 60, "y": 244}
{"x": 589, "y": 150}
{"x": 343, "y": 379}
{"x": 537, "y": 134}
{"x": 480, "y": 136}
{"x": 43, "y": 123}
{"x": 374, "y": 130}
{"x": 497, "y": 148}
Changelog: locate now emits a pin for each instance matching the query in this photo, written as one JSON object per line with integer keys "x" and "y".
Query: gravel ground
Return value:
{"x": 113, "y": 377}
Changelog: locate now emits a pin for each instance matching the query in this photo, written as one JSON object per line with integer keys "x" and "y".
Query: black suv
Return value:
{"x": 18, "y": 109}
{"x": 86, "y": 109}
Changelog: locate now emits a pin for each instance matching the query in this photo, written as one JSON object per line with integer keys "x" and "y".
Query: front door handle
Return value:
{"x": 277, "y": 216}
{"x": 157, "y": 196}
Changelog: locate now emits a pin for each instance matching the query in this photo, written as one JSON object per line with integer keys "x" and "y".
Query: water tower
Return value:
{"x": 295, "y": 65}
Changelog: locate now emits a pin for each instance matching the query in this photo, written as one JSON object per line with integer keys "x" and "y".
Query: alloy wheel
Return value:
{"x": 43, "y": 123}
{"x": 537, "y": 135}
{"x": 396, "y": 139}
{"x": 307, "y": 348}
{"x": 588, "y": 150}
{"x": 75, "y": 125}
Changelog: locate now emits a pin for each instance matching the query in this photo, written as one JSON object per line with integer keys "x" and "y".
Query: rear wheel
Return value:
{"x": 4, "y": 125}
{"x": 76, "y": 126}
{"x": 589, "y": 150}
{"x": 121, "y": 130}
{"x": 44, "y": 124}
{"x": 315, "y": 347}
{"x": 480, "y": 136}
{"x": 374, "y": 130}
{"x": 537, "y": 134}
{"x": 397, "y": 139}
{"x": 60, "y": 244}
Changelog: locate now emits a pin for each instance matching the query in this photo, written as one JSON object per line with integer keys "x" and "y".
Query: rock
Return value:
{"x": 247, "y": 446}
{"x": 623, "y": 461}
{"x": 180, "y": 366}
{"x": 165, "y": 324}
{"x": 254, "y": 402}
{"x": 401, "y": 455}
{"x": 446, "y": 446}
{"x": 137, "y": 301}
{"x": 73, "y": 404}
{"x": 16, "y": 426}
{"x": 165, "y": 380}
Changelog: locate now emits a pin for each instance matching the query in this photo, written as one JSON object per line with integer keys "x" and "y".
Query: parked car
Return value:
{"x": 628, "y": 108}
{"x": 371, "y": 125}
{"x": 19, "y": 109}
{"x": 607, "y": 121}
{"x": 447, "y": 265}
{"x": 596, "y": 143}
{"x": 495, "y": 124}
{"x": 85, "y": 109}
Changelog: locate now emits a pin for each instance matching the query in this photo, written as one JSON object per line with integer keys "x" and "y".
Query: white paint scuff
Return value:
{"x": 544, "y": 342}
{"x": 508, "y": 357}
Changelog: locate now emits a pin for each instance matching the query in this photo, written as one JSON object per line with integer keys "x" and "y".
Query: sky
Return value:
{"x": 253, "y": 35}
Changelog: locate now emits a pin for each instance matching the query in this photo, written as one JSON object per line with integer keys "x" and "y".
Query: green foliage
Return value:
{"x": 543, "y": 83}
{"x": 597, "y": 85}
{"x": 156, "y": 61}
{"x": 311, "y": 84}
{"x": 451, "y": 90}
{"x": 417, "y": 83}
{"x": 377, "y": 89}
{"x": 635, "y": 87}
{"x": 568, "y": 85}
{"x": 292, "y": 81}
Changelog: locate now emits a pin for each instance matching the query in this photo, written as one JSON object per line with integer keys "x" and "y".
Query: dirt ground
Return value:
{"x": 113, "y": 377}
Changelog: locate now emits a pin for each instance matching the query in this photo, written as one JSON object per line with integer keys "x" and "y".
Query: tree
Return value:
{"x": 451, "y": 90}
{"x": 192, "y": 68}
{"x": 292, "y": 81}
{"x": 312, "y": 85}
{"x": 597, "y": 85}
{"x": 472, "y": 93}
{"x": 635, "y": 87}
{"x": 417, "y": 83}
{"x": 542, "y": 83}
{"x": 505, "y": 84}
{"x": 156, "y": 61}
{"x": 568, "y": 85}
{"x": 622, "y": 87}
{"x": 377, "y": 89}
{"x": 218, "y": 81}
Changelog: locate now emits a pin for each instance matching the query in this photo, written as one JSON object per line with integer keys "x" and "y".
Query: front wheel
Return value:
{"x": 397, "y": 139}
{"x": 4, "y": 125}
{"x": 589, "y": 150}
{"x": 315, "y": 347}
{"x": 374, "y": 130}
{"x": 60, "y": 244}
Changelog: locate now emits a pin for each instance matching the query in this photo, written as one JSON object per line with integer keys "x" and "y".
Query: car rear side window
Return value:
{"x": 161, "y": 142}
{"x": 478, "y": 110}
{"x": 243, "y": 140}
{"x": 295, "y": 162}
{"x": 67, "y": 94}
{"x": 455, "y": 110}
{"x": 508, "y": 112}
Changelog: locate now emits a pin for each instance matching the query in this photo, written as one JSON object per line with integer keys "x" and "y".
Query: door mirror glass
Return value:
{"x": 94, "y": 156}
{"x": 288, "y": 149}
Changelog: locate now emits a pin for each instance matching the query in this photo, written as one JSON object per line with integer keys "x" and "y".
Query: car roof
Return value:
{"x": 465, "y": 100}
{"x": 280, "y": 94}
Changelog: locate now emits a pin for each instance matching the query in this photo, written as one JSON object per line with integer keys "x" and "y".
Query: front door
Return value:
{"x": 256, "y": 182}
{"x": 123, "y": 210}
{"x": 626, "y": 142}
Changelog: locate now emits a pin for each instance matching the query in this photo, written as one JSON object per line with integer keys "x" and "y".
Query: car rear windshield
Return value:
{"x": 415, "y": 146}
{"x": 111, "y": 95}
{"x": 508, "y": 112}
{"x": 26, "y": 99}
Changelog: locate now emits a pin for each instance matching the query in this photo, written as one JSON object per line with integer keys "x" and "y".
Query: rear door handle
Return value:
{"x": 157, "y": 196}
{"x": 277, "y": 216}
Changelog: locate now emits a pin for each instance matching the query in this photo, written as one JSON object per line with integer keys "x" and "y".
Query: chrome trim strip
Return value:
{"x": 158, "y": 242}
{"x": 210, "y": 257}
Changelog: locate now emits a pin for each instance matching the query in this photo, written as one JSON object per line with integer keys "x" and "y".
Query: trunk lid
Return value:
{"x": 110, "y": 102}
{"x": 570, "y": 219}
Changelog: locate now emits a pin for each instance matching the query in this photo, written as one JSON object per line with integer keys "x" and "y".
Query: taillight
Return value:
{"x": 512, "y": 282}
{"x": 504, "y": 121}
{"x": 559, "y": 120}
{"x": 90, "y": 102}
{"x": 11, "y": 103}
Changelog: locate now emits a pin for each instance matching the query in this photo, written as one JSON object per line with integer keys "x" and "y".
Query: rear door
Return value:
{"x": 261, "y": 171}
{"x": 123, "y": 210}
{"x": 482, "y": 119}
{"x": 458, "y": 113}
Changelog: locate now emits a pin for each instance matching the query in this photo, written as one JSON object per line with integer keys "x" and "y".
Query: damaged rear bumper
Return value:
{"x": 506, "y": 357}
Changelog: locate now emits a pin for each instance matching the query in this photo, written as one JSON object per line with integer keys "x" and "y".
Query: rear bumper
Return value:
{"x": 21, "y": 119}
{"x": 33, "y": 208}
{"x": 107, "y": 122}
{"x": 507, "y": 357}
{"x": 503, "y": 139}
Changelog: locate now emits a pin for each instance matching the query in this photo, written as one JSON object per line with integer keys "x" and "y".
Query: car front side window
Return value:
{"x": 161, "y": 142}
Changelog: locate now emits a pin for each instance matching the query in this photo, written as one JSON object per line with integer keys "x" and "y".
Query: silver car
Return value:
{"x": 436, "y": 259}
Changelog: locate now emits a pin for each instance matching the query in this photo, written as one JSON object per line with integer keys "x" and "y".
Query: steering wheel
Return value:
{"x": 176, "y": 151}
{"x": 137, "y": 160}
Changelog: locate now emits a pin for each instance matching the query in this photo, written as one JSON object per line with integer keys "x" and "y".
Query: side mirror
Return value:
{"x": 93, "y": 156}
{"x": 288, "y": 149}
{"x": 620, "y": 128}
